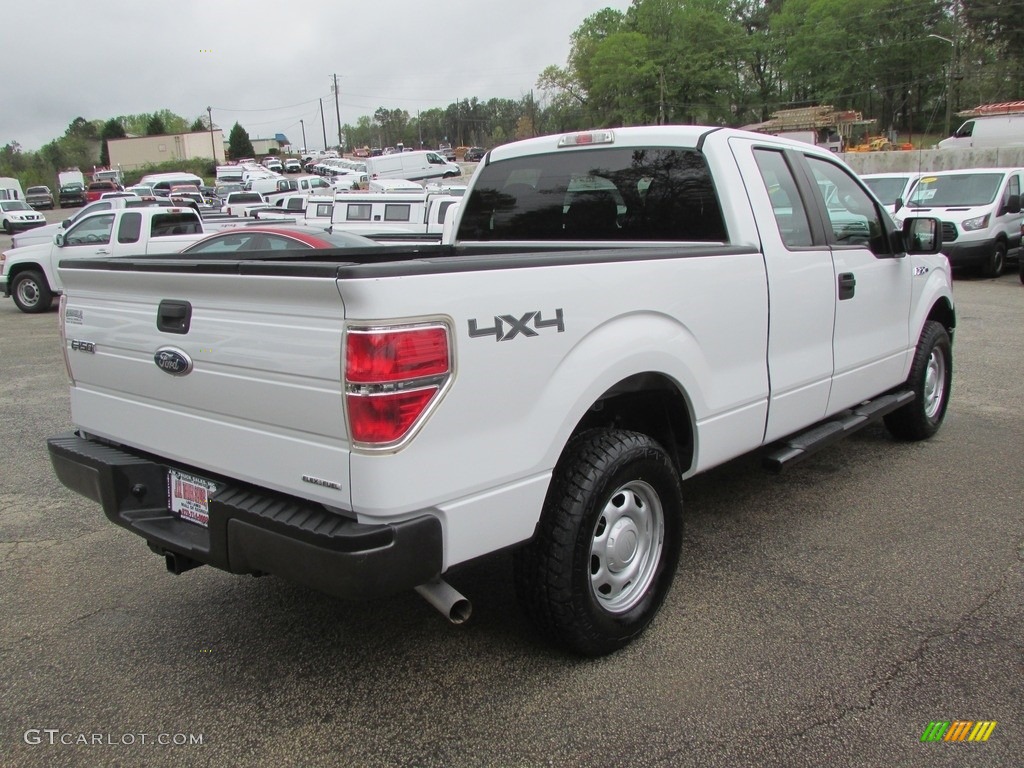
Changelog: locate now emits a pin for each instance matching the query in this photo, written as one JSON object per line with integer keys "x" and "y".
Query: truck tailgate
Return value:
{"x": 248, "y": 387}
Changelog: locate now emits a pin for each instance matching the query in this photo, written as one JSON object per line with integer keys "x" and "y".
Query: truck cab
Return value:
{"x": 30, "y": 276}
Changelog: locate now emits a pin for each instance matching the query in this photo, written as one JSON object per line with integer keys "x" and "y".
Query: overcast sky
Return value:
{"x": 266, "y": 64}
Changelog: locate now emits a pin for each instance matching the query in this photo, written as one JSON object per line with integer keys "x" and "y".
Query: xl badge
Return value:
{"x": 173, "y": 361}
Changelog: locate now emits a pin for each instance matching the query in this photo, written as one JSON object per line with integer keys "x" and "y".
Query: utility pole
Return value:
{"x": 661, "y": 101}
{"x": 323, "y": 123}
{"x": 303, "y": 124}
{"x": 213, "y": 144}
{"x": 337, "y": 111}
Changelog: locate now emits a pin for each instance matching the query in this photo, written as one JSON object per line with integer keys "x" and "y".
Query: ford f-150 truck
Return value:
{"x": 29, "y": 274}
{"x": 620, "y": 310}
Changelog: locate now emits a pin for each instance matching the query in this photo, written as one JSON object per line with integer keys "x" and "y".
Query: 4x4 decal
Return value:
{"x": 527, "y": 325}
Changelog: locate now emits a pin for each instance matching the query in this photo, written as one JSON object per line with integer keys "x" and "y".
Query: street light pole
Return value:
{"x": 949, "y": 78}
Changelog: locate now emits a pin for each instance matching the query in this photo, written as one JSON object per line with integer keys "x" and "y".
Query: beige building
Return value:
{"x": 133, "y": 153}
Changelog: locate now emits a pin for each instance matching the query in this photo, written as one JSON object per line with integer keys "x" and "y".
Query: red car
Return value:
{"x": 243, "y": 238}
{"x": 97, "y": 188}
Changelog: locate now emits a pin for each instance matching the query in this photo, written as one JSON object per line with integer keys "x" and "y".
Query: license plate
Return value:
{"x": 188, "y": 497}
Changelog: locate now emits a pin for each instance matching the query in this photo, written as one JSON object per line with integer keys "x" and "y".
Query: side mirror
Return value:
{"x": 66, "y": 223}
{"x": 1013, "y": 205}
{"x": 58, "y": 239}
{"x": 922, "y": 235}
{"x": 898, "y": 204}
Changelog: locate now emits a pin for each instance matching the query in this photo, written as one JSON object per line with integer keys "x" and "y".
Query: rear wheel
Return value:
{"x": 607, "y": 544}
{"x": 30, "y": 292}
{"x": 931, "y": 379}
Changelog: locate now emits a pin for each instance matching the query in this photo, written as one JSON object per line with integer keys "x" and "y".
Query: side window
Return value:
{"x": 442, "y": 209}
{"x": 1012, "y": 188}
{"x": 789, "y": 210}
{"x": 93, "y": 231}
{"x": 130, "y": 228}
{"x": 396, "y": 212}
{"x": 854, "y": 218}
{"x": 358, "y": 212}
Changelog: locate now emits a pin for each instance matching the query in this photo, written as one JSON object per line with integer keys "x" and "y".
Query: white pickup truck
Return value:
{"x": 29, "y": 274}
{"x": 621, "y": 310}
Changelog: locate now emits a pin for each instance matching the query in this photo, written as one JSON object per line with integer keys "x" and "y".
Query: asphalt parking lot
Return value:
{"x": 822, "y": 617}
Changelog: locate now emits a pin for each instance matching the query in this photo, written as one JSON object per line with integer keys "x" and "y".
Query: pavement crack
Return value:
{"x": 903, "y": 666}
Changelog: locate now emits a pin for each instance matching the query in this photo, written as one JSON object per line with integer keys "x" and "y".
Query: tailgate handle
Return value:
{"x": 174, "y": 316}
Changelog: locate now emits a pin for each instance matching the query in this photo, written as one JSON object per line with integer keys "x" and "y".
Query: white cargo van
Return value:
{"x": 411, "y": 166}
{"x": 988, "y": 131}
{"x": 10, "y": 189}
{"x": 980, "y": 212}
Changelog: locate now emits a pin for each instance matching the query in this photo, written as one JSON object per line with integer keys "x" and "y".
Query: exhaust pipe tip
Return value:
{"x": 452, "y": 604}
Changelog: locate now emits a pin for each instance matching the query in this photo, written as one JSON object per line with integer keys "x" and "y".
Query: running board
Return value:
{"x": 842, "y": 425}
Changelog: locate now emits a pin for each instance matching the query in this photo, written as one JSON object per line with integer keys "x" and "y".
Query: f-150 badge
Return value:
{"x": 507, "y": 327}
{"x": 173, "y": 361}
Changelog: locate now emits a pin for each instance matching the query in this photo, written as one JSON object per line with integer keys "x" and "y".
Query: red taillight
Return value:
{"x": 392, "y": 376}
{"x": 375, "y": 357}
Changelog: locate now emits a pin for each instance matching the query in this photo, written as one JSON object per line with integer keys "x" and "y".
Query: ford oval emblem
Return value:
{"x": 173, "y": 361}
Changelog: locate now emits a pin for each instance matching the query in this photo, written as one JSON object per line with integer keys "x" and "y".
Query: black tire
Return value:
{"x": 581, "y": 590}
{"x": 8, "y": 229}
{"x": 31, "y": 292}
{"x": 1020, "y": 264}
{"x": 931, "y": 379}
{"x": 996, "y": 261}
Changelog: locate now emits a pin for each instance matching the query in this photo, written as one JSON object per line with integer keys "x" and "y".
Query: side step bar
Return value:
{"x": 843, "y": 424}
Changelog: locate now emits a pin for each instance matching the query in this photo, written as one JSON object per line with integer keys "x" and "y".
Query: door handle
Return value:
{"x": 847, "y": 285}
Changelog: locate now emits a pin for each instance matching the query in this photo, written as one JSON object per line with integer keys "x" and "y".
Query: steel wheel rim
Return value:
{"x": 28, "y": 292}
{"x": 934, "y": 383}
{"x": 626, "y": 546}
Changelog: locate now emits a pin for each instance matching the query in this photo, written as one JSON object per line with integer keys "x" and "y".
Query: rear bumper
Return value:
{"x": 252, "y": 530}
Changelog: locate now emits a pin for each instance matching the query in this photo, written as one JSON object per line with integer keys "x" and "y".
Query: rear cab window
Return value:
{"x": 166, "y": 224}
{"x": 619, "y": 194}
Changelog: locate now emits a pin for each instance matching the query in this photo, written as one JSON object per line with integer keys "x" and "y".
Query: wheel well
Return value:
{"x": 942, "y": 312}
{"x": 19, "y": 268}
{"x": 649, "y": 403}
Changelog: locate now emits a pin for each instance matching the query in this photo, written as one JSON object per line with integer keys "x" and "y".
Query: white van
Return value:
{"x": 10, "y": 189}
{"x": 987, "y": 131}
{"x": 980, "y": 212}
{"x": 411, "y": 166}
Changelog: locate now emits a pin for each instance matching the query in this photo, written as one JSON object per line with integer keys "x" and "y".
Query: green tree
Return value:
{"x": 155, "y": 126}
{"x": 112, "y": 129}
{"x": 239, "y": 144}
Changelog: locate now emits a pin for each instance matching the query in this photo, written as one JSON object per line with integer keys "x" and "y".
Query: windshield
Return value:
{"x": 14, "y": 205}
{"x": 887, "y": 189}
{"x": 957, "y": 189}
